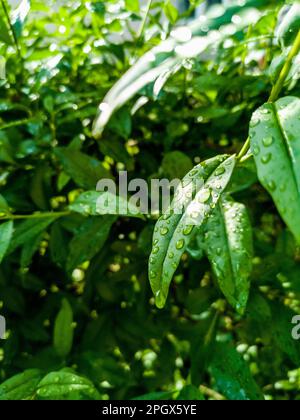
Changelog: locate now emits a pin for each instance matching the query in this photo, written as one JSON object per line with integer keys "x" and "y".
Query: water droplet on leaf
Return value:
{"x": 180, "y": 244}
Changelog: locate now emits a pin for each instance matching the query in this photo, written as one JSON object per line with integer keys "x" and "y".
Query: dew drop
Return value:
{"x": 268, "y": 141}
{"x": 171, "y": 255}
{"x": 152, "y": 274}
{"x": 272, "y": 186}
{"x": 188, "y": 230}
{"x": 254, "y": 122}
{"x": 266, "y": 158}
{"x": 255, "y": 150}
{"x": 220, "y": 171}
{"x": 204, "y": 196}
{"x": 265, "y": 111}
{"x": 155, "y": 250}
{"x": 164, "y": 231}
{"x": 180, "y": 244}
{"x": 283, "y": 188}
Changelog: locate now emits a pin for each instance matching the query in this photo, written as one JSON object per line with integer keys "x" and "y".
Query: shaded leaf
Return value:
{"x": 6, "y": 233}
{"x": 29, "y": 230}
{"x": 89, "y": 240}
{"x": 63, "y": 330}
{"x": 190, "y": 393}
{"x": 21, "y": 387}
{"x": 176, "y": 165}
{"x": 83, "y": 169}
{"x": 232, "y": 375}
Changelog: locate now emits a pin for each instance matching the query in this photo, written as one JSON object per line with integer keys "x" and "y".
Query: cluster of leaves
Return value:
{"x": 82, "y": 321}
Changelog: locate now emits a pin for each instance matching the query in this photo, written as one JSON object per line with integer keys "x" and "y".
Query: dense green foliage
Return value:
{"x": 180, "y": 102}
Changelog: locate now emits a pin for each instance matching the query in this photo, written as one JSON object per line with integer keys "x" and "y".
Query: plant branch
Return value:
{"x": 211, "y": 393}
{"x": 15, "y": 38}
{"x": 285, "y": 70}
{"x": 277, "y": 88}
{"x": 45, "y": 215}
{"x": 148, "y": 8}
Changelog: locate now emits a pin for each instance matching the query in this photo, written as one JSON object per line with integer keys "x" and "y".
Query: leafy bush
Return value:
{"x": 181, "y": 97}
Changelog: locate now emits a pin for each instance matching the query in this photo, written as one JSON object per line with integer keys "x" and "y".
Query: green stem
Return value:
{"x": 45, "y": 215}
{"x": 5, "y": 9}
{"x": 285, "y": 70}
{"x": 278, "y": 85}
{"x": 148, "y": 8}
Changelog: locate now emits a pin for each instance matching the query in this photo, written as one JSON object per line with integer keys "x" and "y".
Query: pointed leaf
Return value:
{"x": 200, "y": 192}
{"x": 6, "y": 232}
{"x": 65, "y": 385}
{"x": 289, "y": 25}
{"x": 228, "y": 244}
{"x": 93, "y": 203}
{"x": 29, "y": 230}
{"x": 19, "y": 15}
{"x": 89, "y": 240}
{"x": 4, "y": 32}
{"x": 20, "y": 387}
{"x": 83, "y": 169}
{"x": 63, "y": 330}
{"x": 232, "y": 375}
{"x": 274, "y": 135}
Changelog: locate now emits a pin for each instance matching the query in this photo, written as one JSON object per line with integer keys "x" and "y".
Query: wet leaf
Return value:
{"x": 196, "y": 199}
{"x": 21, "y": 386}
{"x": 274, "y": 131}
{"x": 228, "y": 243}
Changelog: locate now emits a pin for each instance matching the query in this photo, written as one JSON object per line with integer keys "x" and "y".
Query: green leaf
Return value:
{"x": 169, "y": 55}
{"x": 121, "y": 123}
{"x": 89, "y": 240}
{"x": 155, "y": 396}
{"x": 232, "y": 375}
{"x": 228, "y": 243}
{"x": 281, "y": 330}
{"x": 29, "y": 249}
{"x": 171, "y": 11}
{"x": 83, "y": 169}
{"x": 190, "y": 393}
{"x": 176, "y": 165}
{"x": 21, "y": 387}
{"x": 58, "y": 245}
{"x": 132, "y": 5}
{"x": 6, "y": 233}
{"x": 4, "y": 207}
{"x": 289, "y": 26}
{"x": 19, "y": 15}
{"x": 93, "y": 203}
{"x": 63, "y": 330}
{"x": 65, "y": 385}
{"x": 274, "y": 134}
{"x": 202, "y": 350}
{"x": 4, "y": 33}
{"x": 200, "y": 192}
{"x": 29, "y": 230}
